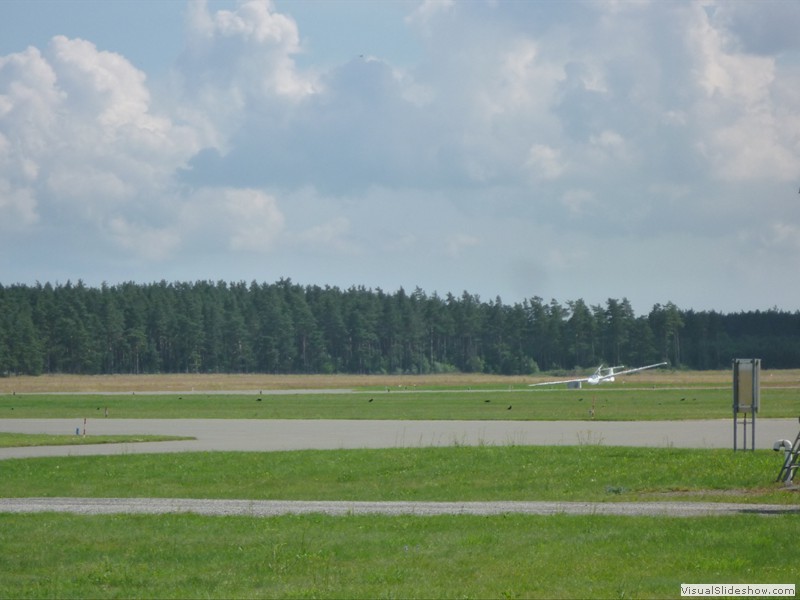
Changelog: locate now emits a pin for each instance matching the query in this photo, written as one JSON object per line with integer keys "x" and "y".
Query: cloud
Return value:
{"x": 331, "y": 236}
{"x": 746, "y": 134}
{"x": 365, "y": 128}
{"x": 527, "y": 133}
{"x": 785, "y": 237}
{"x": 586, "y": 120}
{"x": 220, "y": 219}
{"x": 237, "y": 59}
{"x": 254, "y": 219}
{"x": 151, "y": 244}
{"x": 766, "y": 28}
{"x": 579, "y": 202}
{"x": 17, "y": 207}
{"x": 423, "y": 15}
{"x": 99, "y": 85}
{"x": 458, "y": 242}
{"x": 545, "y": 162}
{"x": 77, "y": 129}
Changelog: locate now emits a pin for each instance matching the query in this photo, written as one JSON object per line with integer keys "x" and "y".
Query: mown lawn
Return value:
{"x": 507, "y": 556}
{"x": 462, "y": 473}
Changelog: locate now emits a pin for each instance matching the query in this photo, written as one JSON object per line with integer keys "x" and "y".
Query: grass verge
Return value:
{"x": 510, "y": 556}
{"x": 19, "y": 440}
{"x": 461, "y": 473}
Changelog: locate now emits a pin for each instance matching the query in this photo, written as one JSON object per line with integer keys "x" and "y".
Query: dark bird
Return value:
{"x": 258, "y": 399}
{"x": 509, "y": 407}
{"x": 371, "y": 399}
{"x": 487, "y": 400}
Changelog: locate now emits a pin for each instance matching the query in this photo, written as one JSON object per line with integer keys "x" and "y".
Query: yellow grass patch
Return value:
{"x": 233, "y": 382}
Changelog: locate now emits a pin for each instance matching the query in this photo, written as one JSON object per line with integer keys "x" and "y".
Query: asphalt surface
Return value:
{"x": 266, "y": 435}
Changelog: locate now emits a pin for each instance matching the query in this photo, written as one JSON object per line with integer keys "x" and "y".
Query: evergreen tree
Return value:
{"x": 284, "y": 328}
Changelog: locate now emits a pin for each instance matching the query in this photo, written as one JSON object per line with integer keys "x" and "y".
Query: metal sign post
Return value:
{"x": 746, "y": 398}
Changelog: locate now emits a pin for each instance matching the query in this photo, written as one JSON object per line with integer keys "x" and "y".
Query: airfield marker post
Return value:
{"x": 746, "y": 398}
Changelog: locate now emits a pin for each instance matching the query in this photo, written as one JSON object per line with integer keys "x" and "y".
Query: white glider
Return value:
{"x": 601, "y": 375}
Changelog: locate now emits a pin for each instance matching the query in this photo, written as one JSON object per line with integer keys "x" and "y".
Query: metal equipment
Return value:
{"x": 791, "y": 460}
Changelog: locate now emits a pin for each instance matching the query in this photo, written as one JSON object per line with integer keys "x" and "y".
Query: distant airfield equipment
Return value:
{"x": 746, "y": 398}
{"x": 601, "y": 375}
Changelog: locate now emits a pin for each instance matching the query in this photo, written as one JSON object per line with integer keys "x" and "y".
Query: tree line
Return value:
{"x": 283, "y": 327}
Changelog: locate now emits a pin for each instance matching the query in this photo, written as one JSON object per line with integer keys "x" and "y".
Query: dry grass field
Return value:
{"x": 236, "y": 382}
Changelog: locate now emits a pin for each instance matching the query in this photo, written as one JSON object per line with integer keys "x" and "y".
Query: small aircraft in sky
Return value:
{"x": 601, "y": 375}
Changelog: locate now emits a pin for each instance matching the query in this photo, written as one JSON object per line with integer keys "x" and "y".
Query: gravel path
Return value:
{"x": 269, "y": 508}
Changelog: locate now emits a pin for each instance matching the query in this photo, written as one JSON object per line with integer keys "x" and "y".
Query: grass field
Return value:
{"x": 508, "y": 556}
{"x": 226, "y": 382}
{"x": 460, "y": 473}
{"x": 613, "y": 402}
{"x": 651, "y": 395}
{"x": 560, "y": 556}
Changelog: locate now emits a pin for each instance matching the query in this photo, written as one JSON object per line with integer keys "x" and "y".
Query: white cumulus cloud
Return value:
{"x": 538, "y": 133}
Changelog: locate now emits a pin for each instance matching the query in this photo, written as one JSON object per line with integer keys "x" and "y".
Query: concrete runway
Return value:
{"x": 277, "y": 435}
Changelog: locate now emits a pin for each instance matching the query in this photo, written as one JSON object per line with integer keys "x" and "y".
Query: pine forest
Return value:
{"x": 283, "y": 327}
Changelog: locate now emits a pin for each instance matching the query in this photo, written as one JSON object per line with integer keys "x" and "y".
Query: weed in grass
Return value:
{"x": 589, "y": 438}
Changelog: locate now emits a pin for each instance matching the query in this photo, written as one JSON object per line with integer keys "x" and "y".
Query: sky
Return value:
{"x": 636, "y": 149}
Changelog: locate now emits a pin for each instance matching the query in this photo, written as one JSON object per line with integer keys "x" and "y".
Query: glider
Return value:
{"x": 601, "y": 375}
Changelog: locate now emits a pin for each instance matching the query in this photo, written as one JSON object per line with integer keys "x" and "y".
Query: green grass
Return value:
{"x": 613, "y": 402}
{"x": 461, "y": 473}
{"x": 19, "y": 440}
{"x": 510, "y": 556}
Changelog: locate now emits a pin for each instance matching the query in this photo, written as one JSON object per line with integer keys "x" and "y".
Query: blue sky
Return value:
{"x": 594, "y": 150}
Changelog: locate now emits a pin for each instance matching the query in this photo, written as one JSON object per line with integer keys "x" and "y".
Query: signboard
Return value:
{"x": 746, "y": 385}
{"x": 746, "y": 397}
